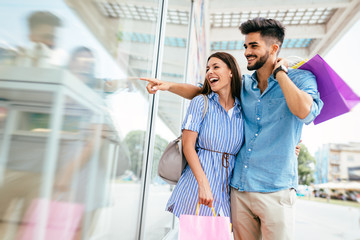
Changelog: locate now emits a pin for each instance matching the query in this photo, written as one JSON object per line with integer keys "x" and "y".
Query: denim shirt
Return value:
{"x": 267, "y": 161}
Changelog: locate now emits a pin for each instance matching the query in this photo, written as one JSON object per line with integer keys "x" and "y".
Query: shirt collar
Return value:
{"x": 215, "y": 97}
{"x": 237, "y": 101}
{"x": 254, "y": 77}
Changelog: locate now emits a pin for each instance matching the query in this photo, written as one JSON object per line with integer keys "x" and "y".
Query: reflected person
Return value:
{"x": 21, "y": 180}
{"x": 43, "y": 27}
{"x": 82, "y": 65}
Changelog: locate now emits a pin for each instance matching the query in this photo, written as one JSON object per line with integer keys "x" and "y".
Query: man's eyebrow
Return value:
{"x": 250, "y": 43}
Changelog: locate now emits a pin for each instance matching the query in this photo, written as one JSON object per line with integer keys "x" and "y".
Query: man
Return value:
{"x": 276, "y": 102}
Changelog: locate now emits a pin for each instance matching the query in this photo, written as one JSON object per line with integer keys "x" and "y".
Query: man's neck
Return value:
{"x": 263, "y": 75}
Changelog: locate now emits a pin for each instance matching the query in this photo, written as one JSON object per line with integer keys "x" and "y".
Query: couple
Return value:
{"x": 268, "y": 109}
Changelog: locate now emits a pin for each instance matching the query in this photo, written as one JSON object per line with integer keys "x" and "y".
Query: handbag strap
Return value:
{"x": 206, "y": 105}
{"x": 198, "y": 208}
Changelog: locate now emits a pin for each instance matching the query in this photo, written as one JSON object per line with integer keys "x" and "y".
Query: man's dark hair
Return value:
{"x": 268, "y": 28}
{"x": 43, "y": 17}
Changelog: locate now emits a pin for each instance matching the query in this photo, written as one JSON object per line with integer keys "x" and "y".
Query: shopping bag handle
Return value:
{"x": 197, "y": 213}
{"x": 299, "y": 64}
{"x": 198, "y": 208}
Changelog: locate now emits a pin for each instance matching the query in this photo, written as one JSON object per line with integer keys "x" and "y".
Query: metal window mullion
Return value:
{"x": 186, "y": 77}
{"x": 150, "y": 135}
{"x": 6, "y": 141}
{"x": 93, "y": 173}
{"x": 50, "y": 160}
{"x": 186, "y": 70}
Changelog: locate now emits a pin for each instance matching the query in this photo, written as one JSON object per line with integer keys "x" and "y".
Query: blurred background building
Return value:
{"x": 338, "y": 162}
{"x": 80, "y": 138}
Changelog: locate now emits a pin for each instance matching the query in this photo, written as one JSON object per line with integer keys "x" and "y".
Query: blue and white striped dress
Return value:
{"x": 218, "y": 132}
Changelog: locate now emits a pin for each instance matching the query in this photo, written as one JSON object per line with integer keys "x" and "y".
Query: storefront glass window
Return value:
{"x": 73, "y": 116}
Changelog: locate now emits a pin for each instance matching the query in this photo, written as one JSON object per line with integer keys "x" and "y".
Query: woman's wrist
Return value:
{"x": 202, "y": 180}
{"x": 170, "y": 86}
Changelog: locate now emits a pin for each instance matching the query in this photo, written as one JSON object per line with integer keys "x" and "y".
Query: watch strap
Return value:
{"x": 278, "y": 69}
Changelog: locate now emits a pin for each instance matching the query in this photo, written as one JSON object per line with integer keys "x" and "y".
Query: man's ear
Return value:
{"x": 275, "y": 48}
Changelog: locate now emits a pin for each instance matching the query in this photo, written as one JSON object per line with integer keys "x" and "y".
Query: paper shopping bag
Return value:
{"x": 337, "y": 96}
{"x": 62, "y": 220}
{"x": 194, "y": 227}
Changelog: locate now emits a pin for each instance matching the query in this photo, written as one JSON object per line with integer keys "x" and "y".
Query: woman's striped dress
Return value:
{"x": 220, "y": 131}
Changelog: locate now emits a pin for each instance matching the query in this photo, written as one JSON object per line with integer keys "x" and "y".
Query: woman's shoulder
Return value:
{"x": 199, "y": 99}
{"x": 198, "y": 103}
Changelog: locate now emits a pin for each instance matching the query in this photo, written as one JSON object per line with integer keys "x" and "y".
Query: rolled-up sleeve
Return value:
{"x": 194, "y": 114}
{"x": 315, "y": 110}
{"x": 306, "y": 81}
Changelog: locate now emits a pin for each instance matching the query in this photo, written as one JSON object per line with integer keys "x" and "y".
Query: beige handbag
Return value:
{"x": 172, "y": 161}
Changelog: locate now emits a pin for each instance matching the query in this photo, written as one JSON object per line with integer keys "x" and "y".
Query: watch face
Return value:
{"x": 284, "y": 68}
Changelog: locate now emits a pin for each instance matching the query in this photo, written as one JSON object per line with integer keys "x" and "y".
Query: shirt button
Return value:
{"x": 245, "y": 166}
{"x": 258, "y": 100}
{"x": 256, "y": 134}
{"x": 249, "y": 149}
{"x": 258, "y": 118}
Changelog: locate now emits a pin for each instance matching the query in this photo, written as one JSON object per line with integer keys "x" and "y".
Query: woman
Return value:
{"x": 210, "y": 145}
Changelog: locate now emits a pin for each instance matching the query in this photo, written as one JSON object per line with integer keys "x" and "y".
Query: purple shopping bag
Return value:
{"x": 337, "y": 96}
{"x": 194, "y": 227}
{"x": 63, "y": 220}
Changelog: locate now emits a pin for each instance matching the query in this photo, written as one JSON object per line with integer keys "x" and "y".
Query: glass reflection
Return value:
{"x": 70, "y": 163}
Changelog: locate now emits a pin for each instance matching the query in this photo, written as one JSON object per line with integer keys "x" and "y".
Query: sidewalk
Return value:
{"x": 316, "y": 220}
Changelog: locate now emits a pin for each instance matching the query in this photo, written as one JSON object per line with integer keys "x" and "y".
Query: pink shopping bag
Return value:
{"x": 62, "y": 221}
{"x": 337, "y": 96}
{"x": 194, "y": 227}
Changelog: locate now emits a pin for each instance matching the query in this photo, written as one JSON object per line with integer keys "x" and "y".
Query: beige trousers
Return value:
{"x": 267, "y": 216}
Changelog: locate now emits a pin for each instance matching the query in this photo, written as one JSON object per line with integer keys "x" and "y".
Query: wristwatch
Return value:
{"x": 280, "y": 68}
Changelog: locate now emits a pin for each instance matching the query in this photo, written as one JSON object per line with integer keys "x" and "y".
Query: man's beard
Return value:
{"x": 259, "y": 63}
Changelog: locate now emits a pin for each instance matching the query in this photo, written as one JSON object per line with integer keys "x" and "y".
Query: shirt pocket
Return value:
{"x": 276, "y": 109}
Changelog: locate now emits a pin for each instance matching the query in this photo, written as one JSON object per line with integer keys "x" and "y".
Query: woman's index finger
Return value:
{"x": 150, "y": 80}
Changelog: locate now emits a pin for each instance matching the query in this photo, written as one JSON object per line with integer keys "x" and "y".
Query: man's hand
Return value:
{"x": 156, "y": 84}
{"x": 297, "y": 149}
